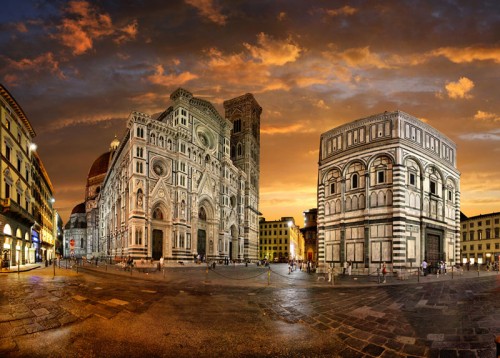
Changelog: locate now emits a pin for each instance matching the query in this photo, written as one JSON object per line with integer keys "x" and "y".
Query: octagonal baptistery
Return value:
{"x": 174, "y": 188}
{"x": 388, "y": 192}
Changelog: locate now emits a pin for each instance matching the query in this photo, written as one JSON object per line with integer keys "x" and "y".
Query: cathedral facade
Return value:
{"x": 388, "y": 192}
{"x": 182, "y": 184}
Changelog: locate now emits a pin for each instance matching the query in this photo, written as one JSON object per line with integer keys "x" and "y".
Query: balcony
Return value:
{"x": 12, "y": 209}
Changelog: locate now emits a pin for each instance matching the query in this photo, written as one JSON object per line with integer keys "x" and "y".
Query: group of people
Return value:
{"x": 439, "y": 268}
{"x": 307, "y": 266}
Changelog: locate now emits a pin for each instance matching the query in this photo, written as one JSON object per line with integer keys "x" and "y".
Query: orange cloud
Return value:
{"x": 486, "y": 116}
{"x": 358, "y": 57}
{"x": 292, "y": 128}
{"x": 468, "y": 54}
{"x": 128, "y": 32}
{"x": 346, "y": 10}
{"x": 21, "y": 27}
{"x": 159, "y": 78}
{"x": 44, "y": 62}
{"x": 207, "y": 9}
{"x": 86, "y": 24}
{"x": 274, "y": 52}
{"x": 460, "y": 89}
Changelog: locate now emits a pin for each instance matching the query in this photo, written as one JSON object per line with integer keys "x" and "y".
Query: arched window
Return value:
{"x": 157, "y": 214}
{"x": 240, "y": 150}
{"x": 161, "y": 141}
{"x": 153, "y": 138}
{"x": 354, "y": 181}
{"x": 202, "y": 214}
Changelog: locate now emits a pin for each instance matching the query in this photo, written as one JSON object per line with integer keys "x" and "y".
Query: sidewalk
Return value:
{"x": 21, "y": 268}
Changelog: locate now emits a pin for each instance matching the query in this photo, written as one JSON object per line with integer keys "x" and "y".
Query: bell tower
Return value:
{"x": 244, "y": 114}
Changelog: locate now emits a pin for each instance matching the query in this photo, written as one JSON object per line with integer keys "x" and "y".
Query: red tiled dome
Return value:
{"x": 100, "y": 165}
{"x": 79, "y": 209}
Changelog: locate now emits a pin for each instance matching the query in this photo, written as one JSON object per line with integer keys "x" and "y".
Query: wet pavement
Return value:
{"x": 238, "y": 311}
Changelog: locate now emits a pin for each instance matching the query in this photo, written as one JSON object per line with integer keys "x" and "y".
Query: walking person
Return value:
{"x": 384, "y": 271}
{"x": 349, "y": 268}
{"x": 345, "y": 268}
{"x": 424, "y": 267}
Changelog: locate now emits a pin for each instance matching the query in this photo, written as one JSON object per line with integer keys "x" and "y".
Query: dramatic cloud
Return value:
{"x": 460, "y": 89}
{"x": 343, "y": 11}
{"x": 85, "y": 24}
{"x": 468, "y": 54}
{"x": 172, "y": 79}
{"x": 77, "y": 65}
{"x": 42, "y": 63}
{"x": 273, "y": 52}
{"x": 208, "y": 9}
{"x": 486, "y": 116}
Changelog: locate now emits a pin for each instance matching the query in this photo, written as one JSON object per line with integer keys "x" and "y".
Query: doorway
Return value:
{"x": 202, "y": 243}
{"x": 157, "y": 244}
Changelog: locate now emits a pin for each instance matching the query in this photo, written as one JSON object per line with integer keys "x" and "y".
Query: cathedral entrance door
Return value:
{"x": 202, "y": 242}
{"x": 432, "y": 249}
{"x": 157, "y": 244}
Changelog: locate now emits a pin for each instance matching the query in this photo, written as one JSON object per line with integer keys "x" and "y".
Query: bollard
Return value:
{"x": 18, "y": 268}
{"x": 54, "y": 268}
{"x": 269, "y": 276}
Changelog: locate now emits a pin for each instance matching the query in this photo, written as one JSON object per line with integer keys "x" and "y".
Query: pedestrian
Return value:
{"x": 424, "y": 267}
{"x": 349, "y": 268}
{"x": 344, "y": 268}
{"x": 162, "y": 260}
{"x": 468, "y": 265}
{"x": 384, "y": 271}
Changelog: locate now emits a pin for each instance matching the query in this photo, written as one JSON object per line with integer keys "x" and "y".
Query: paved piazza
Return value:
{"x": 238, "y": 311}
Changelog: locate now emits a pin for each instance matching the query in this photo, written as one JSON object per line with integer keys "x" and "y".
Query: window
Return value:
{"x": 19, "y": 198}
{"x": 480, "y": 246}
{"x": 497, "y": 221}
{"x": 479, "y": 223}
{"x": 380, "y": 177}
{"x": 412, "y": 179}
{"x": 471, "y": 224}
{"x": 354, "y": 181}
{"x": 332, "y": 188}
{"x": 488, "y": 246}
{"x": 7, "y": 190}
{"x": 18, "y": 165}
{"x": 479, "y": 235}
{"x": 7, "y": 152}
{"x": 488, "y": 222}
{"x": 471, "y": 247}
{"x": 488, "y": 234}
{"x": 497, "y": 246}
{"x": 140, "y": 132}
{"x": 471, "y": 235}
{"x": 497, "y": 233}
{"x": 237, "y": 126}
{"x": 464, "y": 236}
{"x": 450, "y": 195}
{"x": 433, "y": 187}
{"x": 465, "y": 247}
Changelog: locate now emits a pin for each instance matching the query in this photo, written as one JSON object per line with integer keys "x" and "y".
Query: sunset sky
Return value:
{"x": 78, "y": 68}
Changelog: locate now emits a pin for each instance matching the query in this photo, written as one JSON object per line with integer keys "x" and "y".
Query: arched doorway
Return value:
{"x": 201, "y": 246}
{"x": 157, "y": 236}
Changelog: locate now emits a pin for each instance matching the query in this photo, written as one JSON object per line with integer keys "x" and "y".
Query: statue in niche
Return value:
{"x": 139, "y": 198}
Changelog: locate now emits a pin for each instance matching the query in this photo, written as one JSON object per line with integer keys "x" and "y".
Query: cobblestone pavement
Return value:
{"x": 255, "y": 311}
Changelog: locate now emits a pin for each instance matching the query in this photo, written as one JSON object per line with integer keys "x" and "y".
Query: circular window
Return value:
{"x": 160, "y": 168}
{"x": 205, "y": 137}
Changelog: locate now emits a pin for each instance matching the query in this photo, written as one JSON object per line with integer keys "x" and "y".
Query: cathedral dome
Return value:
{"x": 79, "y": 209}
{"x": 100, "y": 165}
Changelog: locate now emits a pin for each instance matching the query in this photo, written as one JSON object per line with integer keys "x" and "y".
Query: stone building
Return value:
{"x": 310, "y": 234}
{"x": 27, "y": 228}
{"x": 480, "y": 239}
{"x": 388, "y": 192}
{"x": 280, "y": 240}
{"x": 183, "y": 183}
{"x": 75, "y": 233}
